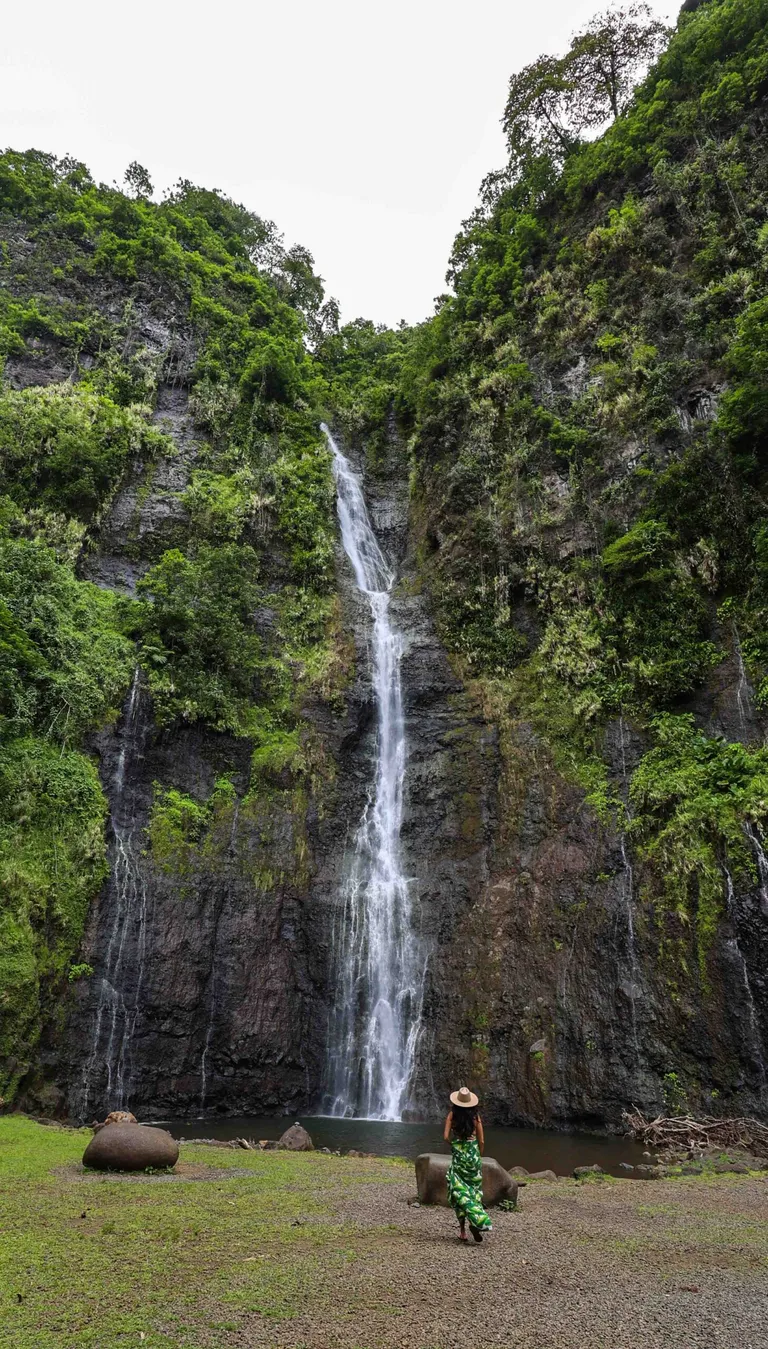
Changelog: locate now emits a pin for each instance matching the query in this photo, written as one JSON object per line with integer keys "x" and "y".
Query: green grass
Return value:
{"x": 92, "y": 1261}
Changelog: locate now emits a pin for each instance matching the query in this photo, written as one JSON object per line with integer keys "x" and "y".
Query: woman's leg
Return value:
{"x": 462, "y": 1231}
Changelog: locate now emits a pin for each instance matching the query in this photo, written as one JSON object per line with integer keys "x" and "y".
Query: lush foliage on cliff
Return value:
{"x": 588, "y": 414}
{"x": 112, "y": 309}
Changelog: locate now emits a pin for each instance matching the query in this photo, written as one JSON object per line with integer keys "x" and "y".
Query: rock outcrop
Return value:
{"x": 432, "y": 1170}
{"x": 296, "y": 1139}
{"x": 131, "y": 1147}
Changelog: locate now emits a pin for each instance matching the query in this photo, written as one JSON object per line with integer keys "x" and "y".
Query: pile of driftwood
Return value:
{"x": 682, "y": 1132}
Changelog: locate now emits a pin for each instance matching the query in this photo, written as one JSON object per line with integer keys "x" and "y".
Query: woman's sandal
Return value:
{"x": 476, "y": 1233}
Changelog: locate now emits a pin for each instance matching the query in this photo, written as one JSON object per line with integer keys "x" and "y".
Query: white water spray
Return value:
{"x": 121, "y": 983}
{"x": 734, "y": 947}
{"x": 743, "y": 689}
{"x": 378, "y": 959}
{"x": 753, "y": 835}
{"x": 628, "y": 899}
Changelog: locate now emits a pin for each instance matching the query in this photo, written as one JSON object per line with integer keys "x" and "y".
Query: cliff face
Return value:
{"x": 212, "y": 961}
{"x": 555, "y": 984}
{"x": 566, "y": 466}
{"x": 587, "y": 415}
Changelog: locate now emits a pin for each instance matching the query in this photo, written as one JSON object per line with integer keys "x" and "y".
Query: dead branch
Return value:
{"x": 698, "y": 1135}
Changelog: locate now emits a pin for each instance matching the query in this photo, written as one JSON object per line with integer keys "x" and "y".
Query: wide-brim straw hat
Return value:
{"x": 464, "y": 1097}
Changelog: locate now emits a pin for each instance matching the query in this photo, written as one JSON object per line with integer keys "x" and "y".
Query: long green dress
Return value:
{"x": 465, "y": 1183}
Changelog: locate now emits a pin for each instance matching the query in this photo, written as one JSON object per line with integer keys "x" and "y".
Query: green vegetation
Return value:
{"x": 200, "y": 1258}
{"x": 106, "y": 299}
{"x": 297, "y": 1248}
{"x": 586, "y": 413}
{"x": 585, "y": 416}
{"x": 52, "y": 859}
{"x": 693, "y": 795}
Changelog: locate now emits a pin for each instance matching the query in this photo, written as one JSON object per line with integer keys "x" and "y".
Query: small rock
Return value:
{"x": 243, "y": 1143}
{"x": 538, "y": 1047}
{"x": 691, "y": 1169}
{"x": 625, "y": 1166}
{"x": 649, "y": 1172}
{"x": 519, "y": 1172}
{"x": 579, "y": 1172}
{"x": 268, "y": 1144}
{"x": 542, "y": 1175}
{"x": 296, "y": 1139}
{"x": 353, "y": 1152}
{"x": 327, "y": 1151}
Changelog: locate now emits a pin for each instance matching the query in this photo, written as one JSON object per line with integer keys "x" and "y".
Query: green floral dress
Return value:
{"x": 465, "y": 1183}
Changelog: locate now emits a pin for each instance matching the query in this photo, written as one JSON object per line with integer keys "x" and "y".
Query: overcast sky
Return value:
{"x": 362, "y": 129}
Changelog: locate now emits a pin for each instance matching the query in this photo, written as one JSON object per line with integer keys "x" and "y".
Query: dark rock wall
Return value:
{"x": 551, "y": 983}
{"x": 548, "y": 985}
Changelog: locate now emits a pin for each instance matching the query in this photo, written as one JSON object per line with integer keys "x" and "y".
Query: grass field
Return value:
{"x": 96, "y": 1260}
{"x": 271, "y": 1250}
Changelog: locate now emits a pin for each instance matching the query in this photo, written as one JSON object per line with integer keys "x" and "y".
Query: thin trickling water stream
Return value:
{"x": 107, "y": 1068}
{"x": 734, "y": 946}
{"x": 628, "y": 898}
{"x": 377, "y": 956}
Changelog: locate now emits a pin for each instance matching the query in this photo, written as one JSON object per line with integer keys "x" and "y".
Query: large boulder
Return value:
{"x": 296, "y": 1139}
{"x": 131, "y": 1147}
{"x": 432, "y": 1170}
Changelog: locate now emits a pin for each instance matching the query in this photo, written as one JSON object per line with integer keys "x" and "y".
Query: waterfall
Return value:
{"x": 734, "y": 947}
{"x": 762, "y": 865}
{"x": 212, "y": 992}
{"x": 122, "y": 969}
{"x": 377, "y": 956}
{"x": 743, "y": 689}
{"x": 628, "y": 900}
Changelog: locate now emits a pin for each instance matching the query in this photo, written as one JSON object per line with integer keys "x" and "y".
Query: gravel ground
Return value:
{"x": 623, "y": 1265}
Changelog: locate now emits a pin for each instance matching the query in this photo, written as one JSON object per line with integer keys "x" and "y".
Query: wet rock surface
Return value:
{"x": 546, "y": 984}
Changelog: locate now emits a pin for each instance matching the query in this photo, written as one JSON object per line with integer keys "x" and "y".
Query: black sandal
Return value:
{"x": 477, "y": 1234}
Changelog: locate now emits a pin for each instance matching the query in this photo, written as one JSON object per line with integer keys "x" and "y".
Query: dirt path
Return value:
{"x": 629, "y": 1265}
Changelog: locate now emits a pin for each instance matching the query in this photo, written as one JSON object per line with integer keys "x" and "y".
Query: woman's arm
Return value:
{"x": 480, "y": 1135}
{"x": 447, "y": 1129}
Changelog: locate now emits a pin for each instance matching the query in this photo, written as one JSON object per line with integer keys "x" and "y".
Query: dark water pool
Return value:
{"x": 535, "y": 1149}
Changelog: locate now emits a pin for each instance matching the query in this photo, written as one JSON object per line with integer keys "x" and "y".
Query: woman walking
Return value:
{"x": 464, "y": 1130}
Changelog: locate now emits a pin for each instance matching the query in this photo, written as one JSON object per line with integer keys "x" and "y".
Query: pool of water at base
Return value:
{"x": 535, "y": 1149}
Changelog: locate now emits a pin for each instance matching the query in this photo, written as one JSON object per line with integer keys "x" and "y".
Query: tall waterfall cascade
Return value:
{"x": 378, "y": 960}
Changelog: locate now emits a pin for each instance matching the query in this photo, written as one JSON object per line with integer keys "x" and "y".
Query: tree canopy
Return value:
{"x": 553, "y": 101}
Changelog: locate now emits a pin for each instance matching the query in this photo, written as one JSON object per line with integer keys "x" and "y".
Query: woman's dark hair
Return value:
{"x": 463, "y": 1120}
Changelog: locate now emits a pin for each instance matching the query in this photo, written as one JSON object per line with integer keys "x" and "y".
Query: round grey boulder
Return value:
{"x": 131, "y": 1147}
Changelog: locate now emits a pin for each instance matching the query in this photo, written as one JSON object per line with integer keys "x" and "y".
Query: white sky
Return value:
{"x": 362, "y": 129}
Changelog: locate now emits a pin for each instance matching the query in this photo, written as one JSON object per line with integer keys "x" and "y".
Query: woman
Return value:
{"x": 464, "y": 1129}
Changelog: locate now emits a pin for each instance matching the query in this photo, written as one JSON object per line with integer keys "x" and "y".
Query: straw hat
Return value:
{"x": 464, "y": 1097}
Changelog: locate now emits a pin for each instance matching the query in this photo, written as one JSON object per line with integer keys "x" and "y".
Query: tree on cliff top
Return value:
{"x": 137, "y": 181}
{"x": 553, "y": 101}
